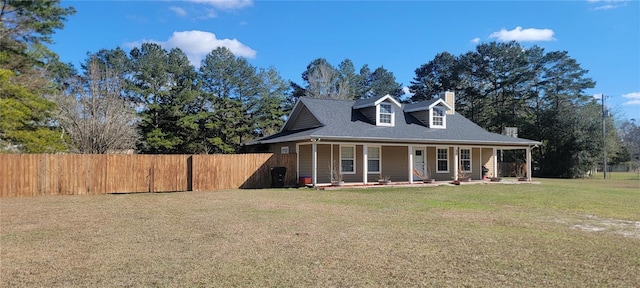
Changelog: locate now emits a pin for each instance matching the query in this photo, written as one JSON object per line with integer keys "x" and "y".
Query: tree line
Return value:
{"x": 541, "y": 93}
{"x": 171, "y": 107}
{"x": 152, "y": 100}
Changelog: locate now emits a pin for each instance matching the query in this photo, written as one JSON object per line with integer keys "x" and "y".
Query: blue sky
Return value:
{"x": 603, "y": 36}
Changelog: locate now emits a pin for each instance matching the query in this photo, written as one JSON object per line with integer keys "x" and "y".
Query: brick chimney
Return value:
{"x": 450, "y": 98}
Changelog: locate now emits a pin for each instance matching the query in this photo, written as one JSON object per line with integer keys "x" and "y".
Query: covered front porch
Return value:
{"x": 408, "y": 163}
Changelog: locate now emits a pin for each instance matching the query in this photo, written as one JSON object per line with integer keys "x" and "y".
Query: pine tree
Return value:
{"x": 25, "y": 113}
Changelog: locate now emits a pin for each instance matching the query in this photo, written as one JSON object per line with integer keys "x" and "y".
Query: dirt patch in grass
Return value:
{"x": 592, "y": 223}
{"x": 445, "y": 236}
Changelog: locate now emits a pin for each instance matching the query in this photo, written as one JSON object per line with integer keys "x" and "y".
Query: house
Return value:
{"x": 370, "y": 138}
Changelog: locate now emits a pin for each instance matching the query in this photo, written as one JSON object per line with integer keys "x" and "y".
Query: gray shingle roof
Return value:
{"x": 341, "y": 122}
{"x": 370, "y": 102}
{"x": 365, "y": 102}
{"x": 424, "y": 105}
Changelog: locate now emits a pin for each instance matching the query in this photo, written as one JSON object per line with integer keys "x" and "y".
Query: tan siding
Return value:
{"x": 275, "y": 148}
{"x": 431, "y": 160}
{"x": 336, "y": 153}
{"x": 487, "y": 161}
{"x": 395, "y": 161}
{"x": 305, "y": 160}
{"x": 324, "y": 163}
{"x": 476, "y": 170}
{"x": 305, "y": 120}
{"x": 450, "y": 98}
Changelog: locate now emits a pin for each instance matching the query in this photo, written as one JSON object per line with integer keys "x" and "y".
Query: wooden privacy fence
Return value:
{"x": 80, "y": 174}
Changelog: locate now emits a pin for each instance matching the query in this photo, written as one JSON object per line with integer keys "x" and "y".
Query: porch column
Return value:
{"x": 314, "y": 162}
{"x": 297, "y": 160}
{"x": 332, "y": 162}
{"x": 410, "y": 154}
{"x": 481, "y": 164}
{"x": 496, "y": 173}
{"x": 365, "y": 166}
{"x": 455, "y": 163}
{"x": 528, "y": 163}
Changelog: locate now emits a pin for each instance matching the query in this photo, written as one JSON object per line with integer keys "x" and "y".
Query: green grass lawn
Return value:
{"x": 575, "y": 233}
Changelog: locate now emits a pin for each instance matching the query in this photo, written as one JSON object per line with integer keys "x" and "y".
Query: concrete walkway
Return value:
{"x": 508, "y": 181}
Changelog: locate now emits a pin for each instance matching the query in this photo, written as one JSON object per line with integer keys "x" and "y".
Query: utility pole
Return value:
{"x": 604, "y": 136}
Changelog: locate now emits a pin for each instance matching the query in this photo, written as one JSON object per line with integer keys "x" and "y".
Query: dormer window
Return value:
{"x": 380, "y": 111}
{"x": 437, "y": 118}
{"x": 385, "y": 114}
{"x": 431, "y": 113}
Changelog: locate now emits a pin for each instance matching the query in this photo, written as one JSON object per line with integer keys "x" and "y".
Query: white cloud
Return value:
{"x": 475, "y": 40}
{"x": 179, "y": 11}
{"x": 406, "y": 91}
{"x": 226, "y": 4}
{"x": 524, "y": 35}
{"x": 209, "y": 13}
{"x": 597, "y": 96}
{"x": 197, "y": 44}
{"x": 214, "y": 6}
{"x": 634, "y": 98}
{"x": 605, "y": 7}
{"x": 610, "y": 4}
{"x": 632, "y": 102}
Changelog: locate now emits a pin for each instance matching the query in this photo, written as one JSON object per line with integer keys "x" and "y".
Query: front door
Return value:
{"x": 419, "y": 161}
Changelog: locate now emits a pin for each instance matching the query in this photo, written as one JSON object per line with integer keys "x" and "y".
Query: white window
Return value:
{"x": 373, "y": 160}
{"x": 465, "y": 160}
{"x": 284, "y": 150}
{"x": 348, "y": 159}
{"x": 438, "y": 119}
{"x": 442, "y": 165}
{"x": 385, "y": 114}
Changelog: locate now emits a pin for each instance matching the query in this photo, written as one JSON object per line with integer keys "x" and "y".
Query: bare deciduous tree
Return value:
{"x": 94, "y": 115}
{"x": 324, "y": 82}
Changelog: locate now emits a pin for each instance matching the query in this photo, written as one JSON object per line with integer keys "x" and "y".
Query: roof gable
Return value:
{"x": 301, "y": 118}
{"x": 371, "y": 108}
{"x": 372, "y": 102}
{"x": 422, "y": 111}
